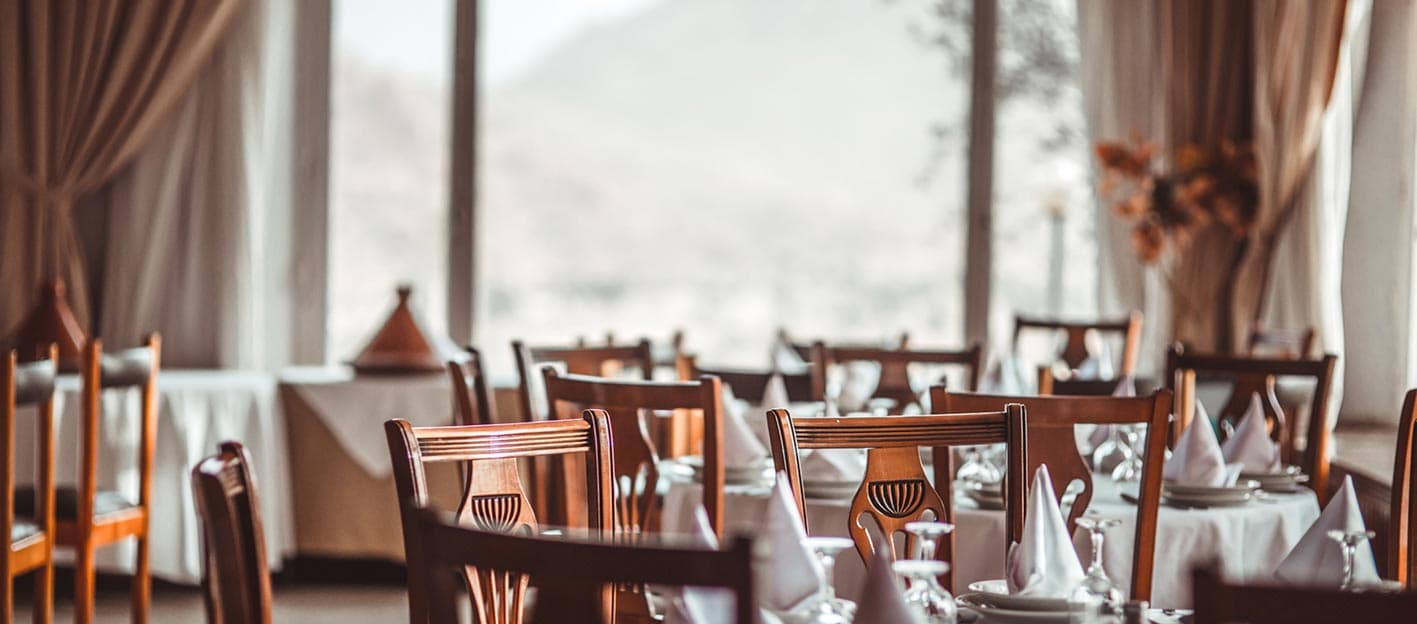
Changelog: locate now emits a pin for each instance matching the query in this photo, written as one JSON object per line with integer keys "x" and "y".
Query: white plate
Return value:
{"x": 1242, "y": 487}
{"x": 996, "y": 615}
{"x": 995, "y": 593}
{"x": 985, "y": 501}
{"x": 1183, "y": 501}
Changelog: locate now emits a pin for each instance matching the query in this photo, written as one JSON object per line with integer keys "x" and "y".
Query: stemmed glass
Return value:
{"x": 976, "y": 469}
{"x": 1130, "y": 468}
{"x": 1096, "y": 594}
{"x": 828, "y": 609}
{"x": 925, "y": 594}
{"x": 1112, "y": 452}
{"x": 927, "y": 536}
{"x": 1349, "y": 542}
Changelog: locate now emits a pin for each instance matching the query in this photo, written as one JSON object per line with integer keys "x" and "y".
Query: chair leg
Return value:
{"x": 142, "y": 584}
{"x": 7, "y": 596}
{"x": 44, "y": 594}
{"x": 83, "y": 584}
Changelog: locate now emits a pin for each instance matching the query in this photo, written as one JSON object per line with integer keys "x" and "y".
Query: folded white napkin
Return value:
{"x": 1043, "y": 562}
{"x": 789, "y": 572}
{"x": 689, "y": 521}
{"x": 834, "y": 465}
{"x": 698, "y": 605}
{"x": 859, "y": 381}
{"x": 741, "y": 446}
{"x": 1251, "y": 445}
{"x": 1317, "y": 559}
{"x": 883, "y": 595}
{"x": 1001, "y": 376}
{"x": 1197, "y": 459}
{"x": 536, "y": 389}
{"x": 775, "y": 394}
{"x": 785, "y": 358}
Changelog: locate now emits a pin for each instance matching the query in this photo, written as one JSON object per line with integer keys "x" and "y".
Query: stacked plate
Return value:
{"x": 732, "y": 475}
{"x": 830, "y": 489}
{"x": 1285, "y": 480}
{"x": 1207, "y": 496}
{"x": 985, "y": 495}
{"x": 992, "y": 600}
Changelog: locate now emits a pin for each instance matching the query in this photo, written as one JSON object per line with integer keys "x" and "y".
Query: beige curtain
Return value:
{"x": 82, "y": 85}
{"x": 1207, "y": 70}
{"x": 1296, "y": 47}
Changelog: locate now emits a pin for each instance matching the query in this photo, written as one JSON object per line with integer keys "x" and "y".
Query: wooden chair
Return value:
{"x": 895, "y": 490}
{"x": 1219, "y": 602}
{"x": 1402, "y": 537}
{"x": 895, "y": 367}
{"x": 89, "y": 518}
{"x": 1257, "y": 375}
{"x": 1050, "y": 434}
{"x": 570, "y": 588}
{"x": 636, "y": 470}
{"x": 578, "y": 360}
{"x": 803, "y": 349}
{"x": 1279, "y": 343}
{"x": 751, "y": 384}
{"x": 31, "y": 538}
{"x": 493, "y": 496}
{"x": 1050, "y": 384}
{"x": 236, "y": 581}
{"x": 1075, "y": 347}
{"x": 472, "y": 402}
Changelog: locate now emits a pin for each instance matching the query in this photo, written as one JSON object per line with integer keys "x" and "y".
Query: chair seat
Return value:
{"x": 22, "y": 529}
{"x": 66, "y": 502}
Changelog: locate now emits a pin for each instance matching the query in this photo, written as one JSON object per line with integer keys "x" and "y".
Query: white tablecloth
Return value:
{"x": 1249, "y": 541}
{"x": 196, "y": 410}
{"x": 354, "y": 407}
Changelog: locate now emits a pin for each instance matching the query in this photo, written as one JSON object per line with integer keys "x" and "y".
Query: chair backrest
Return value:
{"x": 895, "y": 489}
{"x": 493, "y": 496}
{"x": 1050, "y": 384}
{"x": 579, "y": 360}
{"x": 1075, "y": 347}
{"x": 1281, "y": 343}
{"x": 573, "y": 577}
{"x": 27, "y": 384}
{"x": 235, "y": 579}
{"x": 1257, "y": 375}
{"x": 1051, "y": 441}
{"x": 751, "y": 384}
{"x": 1402, "y": 538}
{"x": 472, "y": 402}
{"x": 636, "y": 469}
{"x": 895, "y": 367}
{"x": 803, "y": 349}
{"x": 130, "y": 368}
{"x": 1219, "y": 602}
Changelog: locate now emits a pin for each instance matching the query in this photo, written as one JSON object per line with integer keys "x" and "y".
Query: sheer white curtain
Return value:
{"x": 1123, "y": 97}
{"x": 1305, "y": 288}
{"x": 185, "y": 251}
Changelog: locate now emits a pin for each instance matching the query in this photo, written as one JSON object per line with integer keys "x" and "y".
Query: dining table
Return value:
{"x": 1248, "y": 541}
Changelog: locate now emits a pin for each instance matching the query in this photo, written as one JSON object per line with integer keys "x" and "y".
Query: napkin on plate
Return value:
{"x": 1197, "y": 459}
{"x": 834, "y": 465}
{"x": 883, "y": 596}
{"x": 1317, "y": 559}
{"x": 858, "y": 383}
{"x": 741, "y": 446}
{"x": 789, "y": 572}
{"x": 1043, "y": 562}
{"x": 1251, "y": 445}
{"x": 775, "y": 393}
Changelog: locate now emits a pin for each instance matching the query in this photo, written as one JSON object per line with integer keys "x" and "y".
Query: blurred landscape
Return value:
{"x": 723, "y": 167}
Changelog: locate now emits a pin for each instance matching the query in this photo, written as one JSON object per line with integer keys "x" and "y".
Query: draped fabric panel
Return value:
{"x": 1122, "y": 100}
{"x": 1296, "y": 47}
{"x": 82, "y": 86}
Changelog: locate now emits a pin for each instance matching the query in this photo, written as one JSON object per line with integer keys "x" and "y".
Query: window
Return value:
{"x": 389, "y": 106}
{"x": 722, "y": 167}
{"x": 1045, "y": 246}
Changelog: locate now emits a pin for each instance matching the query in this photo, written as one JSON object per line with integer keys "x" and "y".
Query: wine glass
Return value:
{"x": 827, "y": 608}
{"x": 1130, "y": 469}
{"x": 927, "y": 537}
{"x": 1349, "y": 542}
{"x": 1112, "y": 452}
{"x": 925, "y": 594}
{"x": 976, "y": 469}
{"x": 1096, "y": 594}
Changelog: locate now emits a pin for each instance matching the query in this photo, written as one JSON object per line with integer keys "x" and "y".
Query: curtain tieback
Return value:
{"x": 39, "y": 192}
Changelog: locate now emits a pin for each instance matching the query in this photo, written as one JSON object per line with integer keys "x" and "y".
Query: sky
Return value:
{"x": 415, "y": 36}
